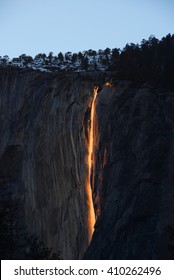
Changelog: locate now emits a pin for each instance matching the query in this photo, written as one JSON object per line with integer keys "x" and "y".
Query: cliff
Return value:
{"x": 44, "y": 133}
{"x": 134, "y": 174}
{"x": 42, "y": 148}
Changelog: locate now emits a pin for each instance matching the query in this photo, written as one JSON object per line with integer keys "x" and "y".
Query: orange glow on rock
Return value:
{"x": 90, "y": 162}
{"x": 108, "y": 84}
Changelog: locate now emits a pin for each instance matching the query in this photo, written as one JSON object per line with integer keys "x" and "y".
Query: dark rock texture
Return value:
{"x": 43, "y": 131}
{"x": 42, "y": 150}
{"x": 134, "y": 177}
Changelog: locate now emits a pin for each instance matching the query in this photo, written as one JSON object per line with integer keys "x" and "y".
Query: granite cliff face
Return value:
{"x": 44, "y": 130}
{"x": 134, "y": 179}
{"x": 42, "y": 148}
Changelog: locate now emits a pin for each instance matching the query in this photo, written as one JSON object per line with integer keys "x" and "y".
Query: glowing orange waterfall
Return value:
{"x": 90, "y": 162}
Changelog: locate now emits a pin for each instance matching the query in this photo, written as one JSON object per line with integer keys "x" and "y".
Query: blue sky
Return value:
{"x": 41, "y": 26}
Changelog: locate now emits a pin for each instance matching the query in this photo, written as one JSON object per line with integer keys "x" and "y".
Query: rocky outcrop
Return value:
{"x": 134, "y": 174}
{"x": 42, "y": 148}
{"x": 44, "y": 120}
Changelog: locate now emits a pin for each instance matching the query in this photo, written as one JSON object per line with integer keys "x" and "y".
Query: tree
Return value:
{"x": 5, "y": 59}
{"x": 8, "y": 221}
{"x": 74, "y": 58}
{"x": 68, "y": 56}
{"x": 60, "y": 57}
{"x": 38, "y": 251}
{"x": 50, "y": 56}
{"x": 80, "y": 55}
{"x": 25, "y": 59}
{"x": 41, "y": 56}
{"x": 11, "y": 246}
{"x": 84, "y": 63}
{"x": 107, "y": 51}
{"x": 100, "y": 52}
{"x": 15, "y": 60}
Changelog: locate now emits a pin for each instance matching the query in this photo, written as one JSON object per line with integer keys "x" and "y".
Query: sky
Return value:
{"x": 40, "y": 26}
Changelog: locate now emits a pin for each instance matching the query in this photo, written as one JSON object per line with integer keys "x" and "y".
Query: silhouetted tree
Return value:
{"x": 61, "y": 57}
{"x": 50, "y": 56}
{"x": 74, "y": 57}
{"x": 107, "y": 51}
{"x": 8, "y": 221}
{"x": 115, "y": 57}
{"x": 38, "y": 251}
{"x": 68, "y": 56}
{"x": 84, "y": 63}
{"x": 40, "y": 56}
{"x": 80, "y": 55}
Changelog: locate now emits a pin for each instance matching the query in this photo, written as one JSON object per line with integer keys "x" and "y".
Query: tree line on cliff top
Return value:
{"x": 152, "y": 60}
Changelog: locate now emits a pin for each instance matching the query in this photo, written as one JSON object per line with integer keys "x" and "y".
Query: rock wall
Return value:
{"x": 42, "y": 150}
{"x": 43, "y": 133}
{"x": 134, "y": 174}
